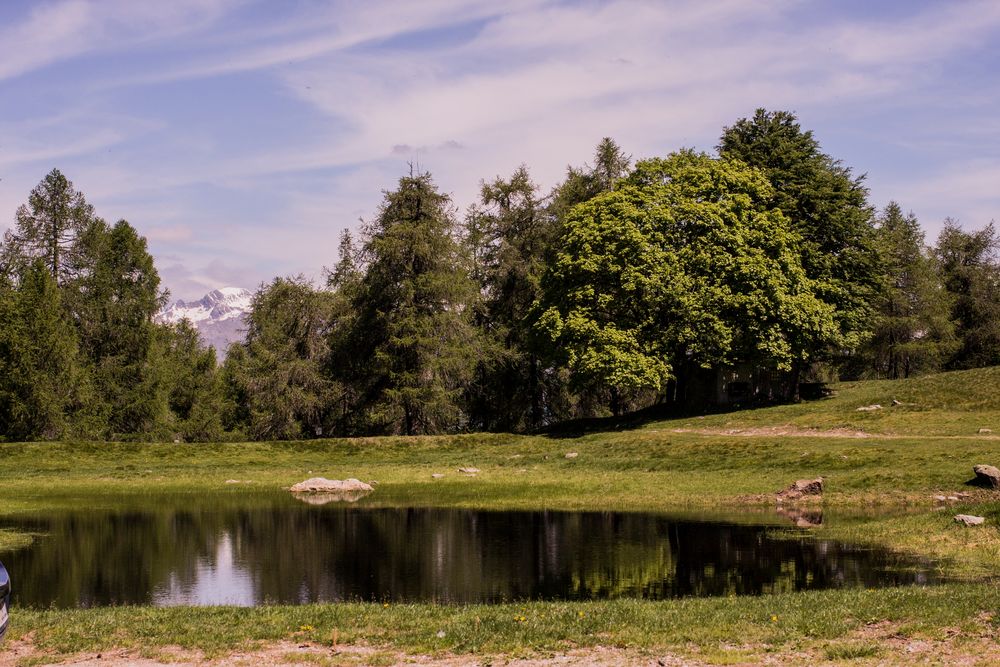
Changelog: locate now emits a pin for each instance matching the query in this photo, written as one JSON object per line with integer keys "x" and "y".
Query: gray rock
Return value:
{"x": 571, "y": 455}
{"x": 802, "y": 487}
{"x": 985, "y": 431}
{"x": 437, "y": 475}
{"x": 469, "y": 471}
{"x": 987, "y": 476}
{"x": 870, "y": 408}
{"x": 969, "y": 520}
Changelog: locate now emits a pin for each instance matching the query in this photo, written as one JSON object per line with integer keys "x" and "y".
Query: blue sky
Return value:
{"x": 241, "y": 136}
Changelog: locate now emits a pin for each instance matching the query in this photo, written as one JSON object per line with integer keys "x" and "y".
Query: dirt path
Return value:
{"x": 877, "y": 644}
{"x": 288, "y": 653}
{"x": 790, "y": 431}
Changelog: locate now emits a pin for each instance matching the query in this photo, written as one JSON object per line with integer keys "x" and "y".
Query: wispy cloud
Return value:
{"x": 53, "y": 32}
{"x": 252, "y": 132}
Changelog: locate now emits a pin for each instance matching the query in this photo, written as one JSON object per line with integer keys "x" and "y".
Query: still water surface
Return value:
{"x": 282, "y": 551}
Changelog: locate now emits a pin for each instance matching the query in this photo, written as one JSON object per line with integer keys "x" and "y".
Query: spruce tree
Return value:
{"x": 114, "y": 301}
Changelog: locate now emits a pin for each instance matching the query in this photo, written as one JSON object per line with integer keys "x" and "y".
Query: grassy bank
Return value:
{"x": 882, "y": 470}
{"x": 824, "y": 625}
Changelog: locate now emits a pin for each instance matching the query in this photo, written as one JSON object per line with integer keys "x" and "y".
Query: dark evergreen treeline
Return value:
{"x": 685, "y": 280}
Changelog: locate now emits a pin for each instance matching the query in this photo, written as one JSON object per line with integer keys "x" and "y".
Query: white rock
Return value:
{"x": 469, "y": 471}
{"x": 969, "y": 520}
{"x": 870, "y": 408}
{"x": 437, "y": 475}
{"x": 572, "y": 455}
{"x": 323, "y": 485}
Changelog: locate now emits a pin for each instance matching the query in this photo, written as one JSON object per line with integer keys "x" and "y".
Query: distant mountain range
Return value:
{"x": 220, "y": 316}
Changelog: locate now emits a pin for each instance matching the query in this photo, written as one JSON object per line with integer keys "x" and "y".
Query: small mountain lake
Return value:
{"x": 275, "y": 549}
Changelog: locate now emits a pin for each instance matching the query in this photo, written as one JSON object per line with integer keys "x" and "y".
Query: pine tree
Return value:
{"x": 194, "y": 393}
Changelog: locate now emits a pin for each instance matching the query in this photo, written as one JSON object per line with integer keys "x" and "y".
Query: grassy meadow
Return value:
{"x": 882, "y": 470}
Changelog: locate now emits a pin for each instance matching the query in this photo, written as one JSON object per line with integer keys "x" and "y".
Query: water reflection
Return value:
{"x": 284, "y": 553}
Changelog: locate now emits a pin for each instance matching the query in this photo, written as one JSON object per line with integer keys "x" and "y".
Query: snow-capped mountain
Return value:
{"x": 218, "y": 316}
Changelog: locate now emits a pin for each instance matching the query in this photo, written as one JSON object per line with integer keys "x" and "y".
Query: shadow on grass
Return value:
{"x": 578, "y": 427}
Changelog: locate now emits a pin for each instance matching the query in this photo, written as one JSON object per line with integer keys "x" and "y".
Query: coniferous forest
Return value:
{"x": 754, "y": 274}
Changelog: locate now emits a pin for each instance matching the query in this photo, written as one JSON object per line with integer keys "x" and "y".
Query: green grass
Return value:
{"x": 761, "y": 623}
{"x": 955, "y": 404}
{"x": 878, "y": 491}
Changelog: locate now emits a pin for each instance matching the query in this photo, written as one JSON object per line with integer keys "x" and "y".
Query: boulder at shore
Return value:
{"x": 320, "y": 491}
{"x": 323, "y": 485}
{"x": 802, "y": 487}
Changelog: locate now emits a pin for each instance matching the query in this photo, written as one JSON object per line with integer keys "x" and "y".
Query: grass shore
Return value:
{"x": 826, "y": 625}
{"x": 882, "y": 470}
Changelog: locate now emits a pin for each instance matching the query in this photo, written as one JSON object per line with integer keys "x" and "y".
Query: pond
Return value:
{"x": 277, "y": 550}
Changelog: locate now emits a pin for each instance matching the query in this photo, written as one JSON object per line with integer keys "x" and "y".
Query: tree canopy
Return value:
{"x": 629, "y": 285}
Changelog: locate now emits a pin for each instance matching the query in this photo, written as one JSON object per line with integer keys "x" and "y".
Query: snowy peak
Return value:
{"x": 219, "y": 316}
{"x": 216, "y": 306}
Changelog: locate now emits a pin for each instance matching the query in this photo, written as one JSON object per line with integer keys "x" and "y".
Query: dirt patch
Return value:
{"x": 789, "y": 431}
{"x": 276, "y": 654}
{"x": 782, "y": 431}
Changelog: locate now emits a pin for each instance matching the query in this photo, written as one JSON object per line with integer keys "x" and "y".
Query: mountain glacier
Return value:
{"x": 219, "y": 315}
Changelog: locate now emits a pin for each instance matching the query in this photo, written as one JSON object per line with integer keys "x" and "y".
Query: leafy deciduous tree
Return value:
{"x": 827, "y": 205}
{"x": 684, "y": 263}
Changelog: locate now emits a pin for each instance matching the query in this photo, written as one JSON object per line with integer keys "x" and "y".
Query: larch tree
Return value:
{"x": 47, "y": 228}
{"x": 277, "y": 376}
{"x": 913, "y": 331}
{"x": 509, "y": 234}
{"x": 970, "y": 271}
{"x": 413, "y": 345}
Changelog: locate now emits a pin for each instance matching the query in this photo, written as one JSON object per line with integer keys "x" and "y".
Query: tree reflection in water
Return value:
{"x": 283, "y": 553}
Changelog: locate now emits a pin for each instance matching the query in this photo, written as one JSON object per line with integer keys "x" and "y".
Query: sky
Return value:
{"x": 241, "y": 136}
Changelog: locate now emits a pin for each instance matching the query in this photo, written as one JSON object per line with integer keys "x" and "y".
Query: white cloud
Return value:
{"x": 56, "y": 31}
{"x": 540, "y": 83}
